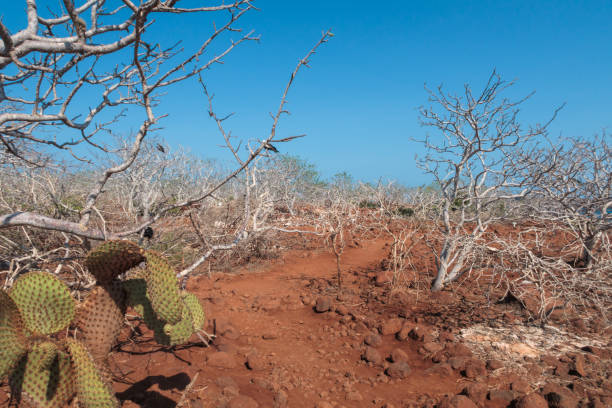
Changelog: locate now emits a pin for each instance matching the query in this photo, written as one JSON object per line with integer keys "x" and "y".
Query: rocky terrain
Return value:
{"x": 285, "y": 337}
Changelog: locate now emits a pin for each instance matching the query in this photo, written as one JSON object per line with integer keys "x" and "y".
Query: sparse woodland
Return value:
{"x": 513, "y": 215}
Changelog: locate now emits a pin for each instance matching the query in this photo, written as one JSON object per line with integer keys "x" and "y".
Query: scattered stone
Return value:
{"x": 477, "y": 392}
{"x": 474, "y": 368}
{"x": 342, "y": 310}
{"x": 255, "y": 362}
{"x": 501, "y": 397}
{"x": 242, "y": 401}
{"x": 457, "y": 401}
{"x": 372, "y": 355}
{"x": 458, "y": 363}
{"x": 532, "y": 400}
{"x": 441, "y": 369}
{"x": 373, "y": 340}
{"x": 398, "y": 370}
{"x": 520, "y": 386}
{"x": 494, "y": 364}
{"x": 558, "y": 396}
{"x": 323, "y": 304}
{"x": 577, "y": 368}
{"x": 270, "y": 334}
{"x": 391, "y": 326}
{"x": 398, "y": 355}
{"x": 323, "y": 404}
{"x": 221, "y": 359}
{"x": 433, "y": 347}
{"x": 418, "y": 333}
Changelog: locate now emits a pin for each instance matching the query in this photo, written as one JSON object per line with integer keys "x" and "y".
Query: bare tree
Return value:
{"x": 575, "y": 190}
{"x": 105, "y": 47}
{"x": 475, "y": 134}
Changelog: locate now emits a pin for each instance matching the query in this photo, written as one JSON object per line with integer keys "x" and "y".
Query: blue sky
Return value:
{"x": 358, "y": 102}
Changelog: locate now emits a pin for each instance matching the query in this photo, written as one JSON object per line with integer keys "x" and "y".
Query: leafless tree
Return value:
{"x": 475, "y": 134}
{"x": 575, "y": 190}
{"x": 106, "y": 49}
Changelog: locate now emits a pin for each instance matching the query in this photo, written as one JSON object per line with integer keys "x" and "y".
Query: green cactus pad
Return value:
{"x": 136, "y": 290}
{"x": 44, "y": 301}
{"x": 13, "y": 342}
{"x": 43, "y": 378}
{"x": 195, "y": 308}
{"x": 162, "y": 289}
{"x": 113, "y": 258}
{"x": 99, "y": 320}
{"x": 91, "y": 389}
{"x": 180, "y": 332}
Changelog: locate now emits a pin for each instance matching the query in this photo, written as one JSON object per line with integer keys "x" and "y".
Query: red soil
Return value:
{"x": 273, "y": 349}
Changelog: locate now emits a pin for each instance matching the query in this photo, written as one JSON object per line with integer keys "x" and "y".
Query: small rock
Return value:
{"x": 373, "y": 340}
{"x": 342, "y": 310}
{"x": 501, "y": 397}
{"x": 255, "y": 362}
{"x": 474, "y": 368}
{"x": 457, "y": 401}
{"x": 433, "y": 347}
{"x": 441, "y": 369}
{"x": 221, "y": 359}
{"x": 494, "y": 364}
{"x": 398, "y": 370}
{"x": 578, "y": 366}
{"x": 270, "y": 334}
{"x": 532, "y": 400}
{"x": 323, "y": 404}
{"x": 558, "y": 396}
{"x": 418, "y": 333}
{"x": 458, "y": 363}
{"x": 391, "y": 326}
{"x": 477, "y": 392}
{"x": 323, "y": 304}
{"x": 520, "y": 386}
{"x": 372, "y": 355}
{"x": 398, "y": 355}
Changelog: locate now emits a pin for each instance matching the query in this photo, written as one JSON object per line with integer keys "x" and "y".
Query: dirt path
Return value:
{"x": 274, "y": 349}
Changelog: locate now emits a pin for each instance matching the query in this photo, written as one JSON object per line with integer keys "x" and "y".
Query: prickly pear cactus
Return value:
{"x": 162, "y": 289}
{"x": 113, "y": 258}
{"x": 91, "y": 388}
{"x": 13, "y": 342}
{"x": 43, "y": 378}
{"x": 44, "y": 302}
{"x": 195, "y": 309}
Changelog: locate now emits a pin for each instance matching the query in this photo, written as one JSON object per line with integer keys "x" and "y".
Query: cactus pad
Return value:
{"x": 180, "y": 332}
{"x": 44, "y": 301}
{"x": 100, "y": 318}
{"x": 136, "y": 290}
{"x": 43, "y": 379}
{"x": 195, "y": 308}
{"x": 91, "y": 389}
{"x": 162, "y": 289}
{"x": 13, "y": 342}
{"x": 113, "y": 258}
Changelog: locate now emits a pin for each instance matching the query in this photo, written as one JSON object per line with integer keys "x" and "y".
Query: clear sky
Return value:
{"x": 358, "y": 101}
